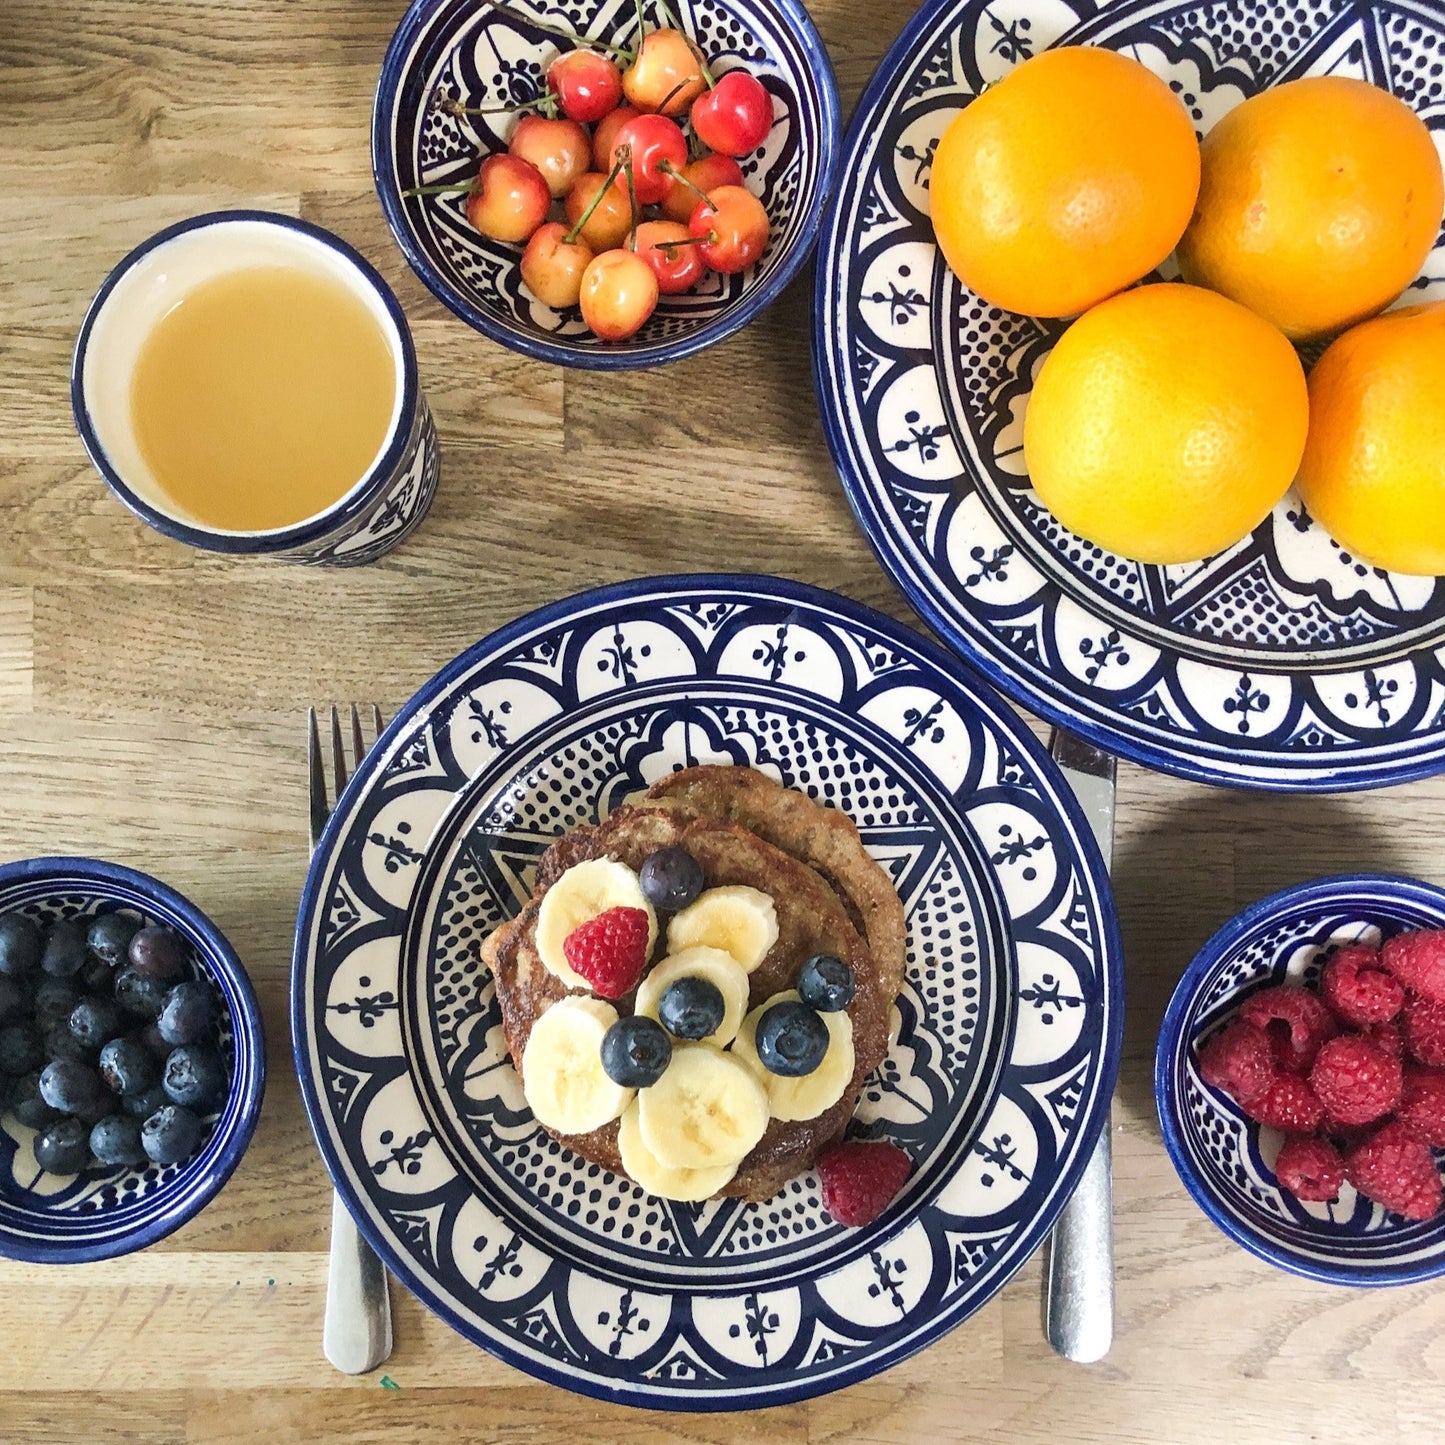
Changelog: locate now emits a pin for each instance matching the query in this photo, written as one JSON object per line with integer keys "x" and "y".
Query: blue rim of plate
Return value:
{"x": 1048, "y": 690}
{"x": 199, "y": 1181}
{"x": 952, "y": 683}
{"x": 627, "y": 357}
{"x": 1369, "y": 893}
{"x": 356, "y": 501}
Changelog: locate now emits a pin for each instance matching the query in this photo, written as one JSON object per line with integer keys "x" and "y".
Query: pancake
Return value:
{"x": 819, "y": 836}
{"x": 811, "y": 919}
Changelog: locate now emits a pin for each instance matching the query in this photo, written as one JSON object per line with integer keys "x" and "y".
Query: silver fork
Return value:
{"x": 357, "y": 1331}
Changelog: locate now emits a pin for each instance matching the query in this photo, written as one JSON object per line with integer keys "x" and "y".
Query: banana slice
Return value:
{"x": 581, "y": 893}
{"x": 706, "y": 1112}
{"x": 810, "y": 1095}
{"x": 712, "y": 964}
{"x": 562, "y": 1075}
{"x": 736, "y": 919}
{"x": 686, "y": 1185}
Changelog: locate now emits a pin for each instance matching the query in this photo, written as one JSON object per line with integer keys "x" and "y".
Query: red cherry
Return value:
{"x": 619, "y": 293}
{"x": 560, "y": 149}
{"x": 704, "y": 175}
{"x": 509, "y": 198}
{"x": 735, "y": 226}
{"x": 606, "y": 133}
{"x": 587, "y": 85}
{"x": 735, "y": 116}
{"x": 667, "y": 74}
{"x": 678, "y": 268}
{"x": 552, "y": 266}
{"x": 609, "y": 223}
{"x": 658, "y": 145}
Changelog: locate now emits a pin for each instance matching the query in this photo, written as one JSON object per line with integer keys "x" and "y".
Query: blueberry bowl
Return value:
{"x": 467, "y": 51}
{"x": 1224, "y": 1159}
{"x": 58, "y": 1218}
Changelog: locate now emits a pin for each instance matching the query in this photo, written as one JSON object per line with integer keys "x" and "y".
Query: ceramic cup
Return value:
{"x": 384, "y": 505}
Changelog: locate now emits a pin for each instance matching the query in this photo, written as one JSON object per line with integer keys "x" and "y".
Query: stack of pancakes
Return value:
{"x": 830, "y": 897}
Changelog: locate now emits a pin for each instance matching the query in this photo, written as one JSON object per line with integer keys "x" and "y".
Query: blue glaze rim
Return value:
{"x": 237, "y": 1122}
{"x": 1338, "y": 888}
{"x": 622, "y": 356}
{"x": 361, "y": 496}
{"x": 922, "y": 593}
{"x": 952, "y": 677}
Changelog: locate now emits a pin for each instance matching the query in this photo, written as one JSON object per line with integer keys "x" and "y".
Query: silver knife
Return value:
{"x": 1079, "y": 1307}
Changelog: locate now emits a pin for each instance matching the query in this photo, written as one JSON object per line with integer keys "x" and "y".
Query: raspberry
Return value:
{"x": 1310, "y": 1169}
{"x": 1388, "y": 1037}
{"x": 1423, "y": 1105}
{"x": 1296, "y": 1021}
{"x": 1239, "y": 1061}
{"x": 1357, "y": 989}
{"x": 1395, "y": 1168}
{"x": 1424, "y": 1023}
{"x": 860, "y": 1179}
{"x": 1289, "y": 1104}
{"x": 1417, "y": 959}
{"x": 1355, "y": 1081}
{"x": 610, "y": 950}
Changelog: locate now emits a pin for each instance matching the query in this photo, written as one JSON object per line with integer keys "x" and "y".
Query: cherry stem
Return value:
{"x": 447, "y": 190}
{"x": 547, "y": 29}
{"x": 631, "y": 194}
{"x": 641, "y": 23}
{"x": 667, "y": 168}
{"x": 671, "y": 246}
{"x": 623, "y": 152}
{"x": 671, "y": 16}
{"x": 545, "y": 103}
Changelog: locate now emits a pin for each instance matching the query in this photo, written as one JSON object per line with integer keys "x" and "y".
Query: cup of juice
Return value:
{"x": 246, "y": 382}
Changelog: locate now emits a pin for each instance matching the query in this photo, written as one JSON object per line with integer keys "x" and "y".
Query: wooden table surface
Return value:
{"x": 151, "y": 711}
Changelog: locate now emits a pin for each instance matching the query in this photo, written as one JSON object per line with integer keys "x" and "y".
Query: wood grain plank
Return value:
{"x": 17, "y": 650}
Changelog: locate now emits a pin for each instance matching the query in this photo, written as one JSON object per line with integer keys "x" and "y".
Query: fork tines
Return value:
{"x": 324, "y": 797}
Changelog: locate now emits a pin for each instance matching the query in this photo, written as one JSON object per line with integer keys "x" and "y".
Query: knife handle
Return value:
{"x": 1079, "y": 1313}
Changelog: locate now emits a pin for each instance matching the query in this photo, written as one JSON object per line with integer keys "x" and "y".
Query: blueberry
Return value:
{"x": 195, "y": 1077}
{"x": 54, "y": 999}
{"x": 150, "y": 1036}
{"x": 127, "y": 1066}
{"x": 170, "y": 1135}
{"x": 158, "y": 953}
{"x": 60, "y": 1043}
{"x": 139, "y": 993}
{"x": 187, "y": 1015}
{"x": 64, "y": 1148}
{"x": 116, "y": 1140}
{"x": 791, "y": 1039}
{"x": 826, "y": 983}
{"x": 96, "y": 1021}
{"x": 96, "y": 977}
{"x": 21, "y": 1049}
{"x": 635, "y": 1051}
{"x": 691, "y": 1008}
{"x": 671, "y": 878}
{"x": 15, "y": 1000}
{"x": 145, "y": 1103}
{"x": 20, "y": 945}
{"x": 109, "y": 937}
{"x": 27, "y": 1105}
{"x": 64, "y": 954}
{"x": 75, "y": 1088}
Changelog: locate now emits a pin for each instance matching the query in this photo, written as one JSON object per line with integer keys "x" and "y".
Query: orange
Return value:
{"x": 1373, "y": 472}
{"x": 1166, "y": 423}
{"x": 1067, "y": 181}
{"x": 1320, "y": 200}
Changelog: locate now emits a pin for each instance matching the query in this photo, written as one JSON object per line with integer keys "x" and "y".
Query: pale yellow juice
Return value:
{"x": 262, "y": 397}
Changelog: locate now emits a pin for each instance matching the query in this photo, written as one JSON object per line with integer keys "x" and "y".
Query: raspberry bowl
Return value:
{"x": 1225, "y": 1158}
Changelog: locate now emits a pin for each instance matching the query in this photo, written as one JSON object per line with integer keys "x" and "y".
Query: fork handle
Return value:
{"x": 357, "y": 1332}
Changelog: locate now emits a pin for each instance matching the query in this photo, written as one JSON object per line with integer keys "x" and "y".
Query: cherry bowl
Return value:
{"x": 1224, "y": 1159}
{"x": 481, "y": 56}
{"x": 102, "y": 1212}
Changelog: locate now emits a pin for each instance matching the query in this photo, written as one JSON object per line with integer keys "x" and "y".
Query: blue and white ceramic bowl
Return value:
{"x": 1223, "y": 1158}
{"x": 1283, "y": 662}
{"x": 59, "y": 1219}
{"x": 465, "y": 50}
{"x": 384, "y": 506}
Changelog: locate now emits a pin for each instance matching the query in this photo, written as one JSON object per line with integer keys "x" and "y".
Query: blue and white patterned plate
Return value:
{"x": 468, "y": 51}
{"x": 1008, "y": 1036}
{"x": 1281, "y": 663}
{"x": 1225, "y": 1160}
